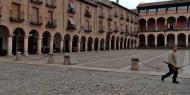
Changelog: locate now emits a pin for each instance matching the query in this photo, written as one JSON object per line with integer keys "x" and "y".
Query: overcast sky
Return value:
{"x": 131, "y": 4}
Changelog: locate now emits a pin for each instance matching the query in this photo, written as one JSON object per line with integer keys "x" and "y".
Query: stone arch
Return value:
{"x": 161, "y": 24}
{"x": 83, "y": 44}
{"x": 108, "y": 42}
{"x": 96, "y": 44}
{"x": 181, "y": 40}
{"x": 181, "y": 23}
{"x": 171, "y": 23}
{"x": 90, "y": 43}
{"x": 151, "y": 24}
{"x": 57, "y": 43}
{"x": 151, "y": 40}
{"x": 170, "y": 40}
{"x": 4, "y": 34}
{"x": 142, "y": 25}
{"x": 102, "y": 42}
{"x": 46, "y": 42}
{"x": 142, "y": 40}
{"x": 33, "y": 42}
{"x": 160, "y": 40}
{"x": 67, "y": 40}
{"x": 18, "y": 40}
{"x": 75, "y": 43}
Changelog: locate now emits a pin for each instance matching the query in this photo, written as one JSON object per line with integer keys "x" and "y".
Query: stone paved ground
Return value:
{"x": 96, "y": 73}
{"x": 21, "y": 79}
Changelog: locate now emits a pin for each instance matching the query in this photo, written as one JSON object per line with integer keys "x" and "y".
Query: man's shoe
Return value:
{"x": 162, "y": 78}
{"x": 176, "y": 82}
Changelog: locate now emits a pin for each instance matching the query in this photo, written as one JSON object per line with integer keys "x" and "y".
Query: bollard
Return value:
{"x": 18, "y": 56}
{"x": 66, "y": 59}
{"x": 135, "y": 64}
{"x": 50, "y": 59}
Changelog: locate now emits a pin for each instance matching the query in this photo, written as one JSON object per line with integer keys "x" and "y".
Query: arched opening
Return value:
{"x": 90, "y": 41}
{"x": 151, "y": 40}
{"x": 107, "y": 42}
{"x": 121, "y": 43}
{"x": 161, "y": 24}
{"x": 33, "y": 42}
{"x": 117, "y": 43}
{"x": 181, "y": 40}
{"x": 57, "y": 43}
{"x": 67, "y": 39}
{"x": 113, "y": 43}
{"x": 142, "y": 41}
{"x": 75, "y": 43}
{"x": 142, "y": 25}
{"x": 83, "y": 44}
{"x": 18, "y": 41}
{"x": 151, "y": 24}
{"x": 125, "y": 44}
{"x": 128, "y": 44}
{"x": 102, "y": 44}
{"x": 160, "y": 40}
{"x": 4, "y": 33}
{"x": 171, "y": 23}
{"x": 181, "y": 23}
{"x": 96, "y": 44}
{"x": 46, "y": 42}
{"x": 170, "y": 40}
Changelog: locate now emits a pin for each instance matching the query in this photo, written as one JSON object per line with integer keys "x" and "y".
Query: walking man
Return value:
{"x": 173, "y": 69}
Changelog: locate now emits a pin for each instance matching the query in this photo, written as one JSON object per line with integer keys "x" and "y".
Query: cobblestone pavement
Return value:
{"x": 22, "y": 79}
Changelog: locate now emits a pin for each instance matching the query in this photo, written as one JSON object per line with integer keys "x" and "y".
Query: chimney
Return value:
{"x": 117, "y": 1}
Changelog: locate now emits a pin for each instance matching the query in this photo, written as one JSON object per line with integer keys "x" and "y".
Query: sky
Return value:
{"x": 131, "y": 4}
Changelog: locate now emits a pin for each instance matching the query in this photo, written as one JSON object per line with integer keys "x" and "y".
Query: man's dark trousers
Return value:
{"x": 171, "y": 71}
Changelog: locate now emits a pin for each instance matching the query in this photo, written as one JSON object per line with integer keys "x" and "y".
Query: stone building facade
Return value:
{"x": 56, "y": 26}
{"x": 164, "y": 24}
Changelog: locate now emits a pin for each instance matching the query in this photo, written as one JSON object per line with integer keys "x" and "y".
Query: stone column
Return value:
{"x": 86, "y": 46}
{"x": 78, "y": 46}
{"x": 92, "y": 46}
{"x": 51, "y": 45}
{"x": 115, "y": 45}
{"x": 165, "y": 39}
{"x": 26, "y": 45}
{"x": 176, "y": 40}
{"x": 70, "y": 45}
{"x": 146, "y": 41}
{"x": 187, "y": 43}
{"x": 10, "y": 42}
{"x": 61, "y": 46}
{"x": 99, "y": 45}
{"x": 119, "y": 46}
{"x": 39, "y": 45}
{"x": 156, "y": 44}
{"x": 109, "y": 45}
{"x": 156, "y": 25}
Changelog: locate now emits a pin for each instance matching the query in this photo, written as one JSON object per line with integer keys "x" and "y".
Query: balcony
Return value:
{"x": 87, "y": 14}
{"x": 122, "y": 17}
{"x": 87, "y": 28}
{"x": 71, "y": 27}
{"x": 16, "y": 16}
{"x": 116, "y": 30}
{"x": 40, "y": 2}
{"x": 36, "y": 20}
{"x": 51, "y": 4}
{"x": 101, "y": 29}
{"x": 110, "y": 18}
{"x": 51, "y": 23}
{"x": 101, "y": 16}
{"x": 116, "y": 14}
{"x": 71, "y": 10}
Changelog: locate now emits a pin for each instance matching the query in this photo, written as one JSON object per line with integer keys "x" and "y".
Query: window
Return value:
{"x": 50, "y": 15}
{"x": 15, "y": 10}
{"x": 87, "y": 23}
{"x": 100, "y": 24}
{"x": 50, "y": 2}
{"x": 35, "y": 14}
{"x": 161, "y": 9}
{"x": 172, "y": 8}
{"x": 152, "y": 10}
{"x": 182, "y": 8}
{"x": 142, "y": 11}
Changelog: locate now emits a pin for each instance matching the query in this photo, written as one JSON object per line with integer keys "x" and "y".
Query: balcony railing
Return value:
{"x": 16, "y": 16}
{"x": 71, "y": 10}
{"x": 87, "y": 14}
{"x": 87, "y": 28}
{"x": 101, "y": 29}
{"x": 101, "y": 16}
{"x": 37, "y": 1}
{"x": 116, "y": 30}
{"x": 109, "y": 18}
{"x": 71, "y": 27}
{"x": 36, "y": 20}
{"x": 51, "y": 23}
{"x": 51, "y": 4}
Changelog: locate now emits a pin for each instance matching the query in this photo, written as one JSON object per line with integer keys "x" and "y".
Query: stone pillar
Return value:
{"x": 176, "y": 41}
{"x": 39, "y": 45}
{"x": 187, "y": 41}
{"x": 110, "y": 45}
{"x": 26, "y": 45}
{"x": 156, "y": 42}
{"x": 51, "y": 45}
{"x": 78, "y": 46}
{"x": 119, "y": 45}
{"x": 10, "y": 42}
{"x": 146, "y": 26}
{"x": 70, "y": 45}
{"x": 92, "y": 46}
{"x": 165, "y": 41}
{"x": 156, "y": 25}
{"x": 115, "y": 45}
{"x": 146, "y": 41}
{"x": 86, "y": 46}
{"x": 61, "y": 46}
{"x": 99, "y": 45}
